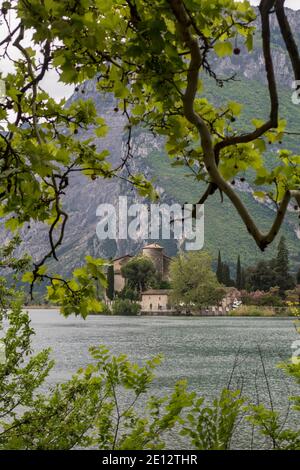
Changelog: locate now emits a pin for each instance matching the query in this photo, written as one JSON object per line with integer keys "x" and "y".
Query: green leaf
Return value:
{"x": 28, "y": 277}
{"x": 223, "y": 49}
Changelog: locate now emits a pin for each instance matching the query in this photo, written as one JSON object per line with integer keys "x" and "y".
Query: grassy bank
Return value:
{"x": 255, "y": 311}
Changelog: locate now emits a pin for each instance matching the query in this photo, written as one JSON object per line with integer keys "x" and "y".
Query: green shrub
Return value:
{"x": 88, "y": 411}
{"x": 270, "y": 298}
{"x": 252, "y": 311}
{"x": 106, "y": 310}
{"x": 128, "y": 293}
{"x": 125, "y": 307}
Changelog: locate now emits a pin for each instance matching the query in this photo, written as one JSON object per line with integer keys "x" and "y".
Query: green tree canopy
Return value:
{"x": 153, "y": 57}
{"x": 139, "y": 273}
{"x": 193, "y": 281}
{"x": 219, "y": 271}
{"x": 284, "y": 279}
{"x": 239, "y": 275}
{"x": 272, "y": 273}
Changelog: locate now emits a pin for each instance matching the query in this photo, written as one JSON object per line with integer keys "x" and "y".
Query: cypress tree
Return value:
{"x": 238, "y": 279}
{"x": 282, "y": 259}
{"x": 283, "y": 278}
{"x": 219, "y": 271}
{"x": 110, "y": 291}
{"x": 243, "y": 279}
{"x": 226, "y": 274}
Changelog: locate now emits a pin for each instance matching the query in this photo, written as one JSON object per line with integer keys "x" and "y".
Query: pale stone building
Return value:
{"x": 161, "y": 261}
{"x": 153, "y": 251}
{"x": 119, "y": 281}
{"x": 155, "y": 301}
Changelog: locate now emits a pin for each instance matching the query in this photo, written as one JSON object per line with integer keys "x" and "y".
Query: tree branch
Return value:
{"x": 288, "y": 37}
{"x": 262, "y": 240}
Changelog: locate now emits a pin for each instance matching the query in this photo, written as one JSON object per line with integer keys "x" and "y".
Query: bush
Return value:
{"x": 261, "y": 298}
{"x": 106, "y": 310}
{"x": 252, "y": 311}
{"x": 88, "y": 410}
{"x": 128, "y": 293}
{"x": 164, "y": 284}
{"x": 125, "y": 307}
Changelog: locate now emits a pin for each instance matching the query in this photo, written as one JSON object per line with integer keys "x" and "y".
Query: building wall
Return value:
{"x": 160, "y": 261}
{"x": 156, "y": 255}
{"x": 155, "y": 302}
{"x": 119, "y": 282}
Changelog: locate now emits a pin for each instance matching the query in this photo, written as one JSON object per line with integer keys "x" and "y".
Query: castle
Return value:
{"x": 153, "y": 251}
{"x": 157, "y": 301}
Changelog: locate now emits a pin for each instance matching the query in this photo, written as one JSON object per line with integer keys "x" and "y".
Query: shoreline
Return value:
{"x": 40, "y": 307}
{"x": 52, "y": 307}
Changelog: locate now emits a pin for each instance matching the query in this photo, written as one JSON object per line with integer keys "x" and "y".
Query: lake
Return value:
{"x": 203, "y": 350}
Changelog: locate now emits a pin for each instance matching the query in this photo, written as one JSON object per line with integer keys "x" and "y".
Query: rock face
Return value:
{"x": 84, "y": 195}
{"x": 251, "y": 65}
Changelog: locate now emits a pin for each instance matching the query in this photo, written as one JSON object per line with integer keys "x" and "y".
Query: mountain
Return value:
{"x": 223, "y": 228}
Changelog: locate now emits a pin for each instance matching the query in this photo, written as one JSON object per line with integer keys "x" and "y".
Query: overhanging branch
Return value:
{"x": 262, "y": 240}
{"x": 288, "y": 37}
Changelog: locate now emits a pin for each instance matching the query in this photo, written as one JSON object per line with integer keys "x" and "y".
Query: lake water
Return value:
{"x": 202, "y": 350}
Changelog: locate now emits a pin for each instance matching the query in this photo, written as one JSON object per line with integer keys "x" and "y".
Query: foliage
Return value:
{"x": 121, "y": 44}
{"x": 211, "y": 427}
{"x": 110, "y": 291}
{"x": 281, "y": 266}
{"x": 139, "y": 273}
{"x": 77, "y": 40}
{"x": 139, "y": 52}
{"x": 193, "y": 281}
{"x": 260, "y": 298}
{"x": 84, "y": 411}
{"x": 90, "y": 411}
{"x": 163, "y": 284}
{"x": 128, "y": 293}
{"x": 219, "y": 271}
{"x": 261, "y": 276}
{"x": 253, "y": 311}
{"x": 125, "y": 307}
{"x": 39, "y": 146}
{"x": 223, "y": 273}
{"x": 106, "y": 310}
{"x": 293, "y": 295}
{"x": 273, "y": 273}
{"x": 219, "y": 217}
{"x": 269, "y": 422}
{"x": 78, "y": 295}
{"x": 226, "y": 277}
{"x": 239, "y": 275}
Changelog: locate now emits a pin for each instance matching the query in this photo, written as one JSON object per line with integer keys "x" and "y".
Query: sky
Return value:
{"x": 58, "y": 90}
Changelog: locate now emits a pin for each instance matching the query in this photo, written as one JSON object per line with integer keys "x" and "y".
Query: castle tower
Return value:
{"x": 155, "y": 253}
